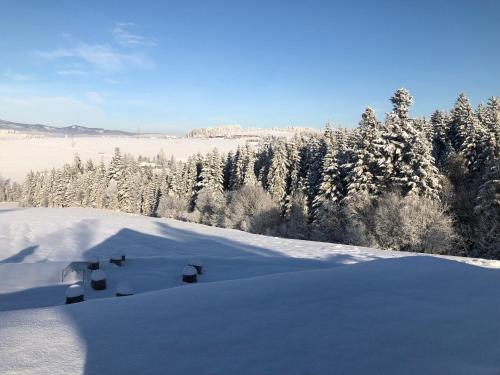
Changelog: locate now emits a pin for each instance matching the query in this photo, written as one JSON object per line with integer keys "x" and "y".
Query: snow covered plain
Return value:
{"x": 263, "y": 305}
{"x": 20, "y": 155}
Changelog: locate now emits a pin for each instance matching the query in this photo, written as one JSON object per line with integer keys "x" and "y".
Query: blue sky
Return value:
{"x": 174, "y": 65}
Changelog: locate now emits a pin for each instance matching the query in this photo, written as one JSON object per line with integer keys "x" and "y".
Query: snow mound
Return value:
{"x": 195, "y": 262}
{"x": 124, "y": 288}
{"x": 74, "y": 290}
{"x": 189, "y": 271}
{"x": 98, "y": 275}
{"x": 116, "y": 256}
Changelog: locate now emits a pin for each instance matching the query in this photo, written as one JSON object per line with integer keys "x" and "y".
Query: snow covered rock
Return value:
{"x": 189, "y": 274}
{"x": 98, "y": 279}
{"x": 124, "y": 289}
{"x": 196, "y": 263}
{"x": 74, "y": 294}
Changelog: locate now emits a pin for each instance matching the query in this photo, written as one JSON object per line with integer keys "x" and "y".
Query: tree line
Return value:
{"x": 409, "y": 184}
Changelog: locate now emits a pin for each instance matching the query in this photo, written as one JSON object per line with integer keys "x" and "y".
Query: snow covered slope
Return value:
{"x": 36, "y": 244}
{"x": 263, "y": 306}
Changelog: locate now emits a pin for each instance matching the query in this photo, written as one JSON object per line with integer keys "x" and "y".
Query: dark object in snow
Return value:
{"x": 116, "y": 259}
{"x": 93, "y": 264}
{"x": 98, "y": 280}
{"x": 124, "y": 289}
{"x": 74, "y": 294}
{"x": 123, "y": 256}
{"x": 189, "y": 274}
{"x": 196, "y": 263}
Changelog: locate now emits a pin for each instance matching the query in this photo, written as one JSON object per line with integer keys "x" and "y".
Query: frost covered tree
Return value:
{"x": 149, "y": 193}
{"x": 330, "y": 179}
{"x": 487, "y": 211}
{"x": 278, "y": 173}
{"x": 128, "y": 187}
{"x": 401, "y": 103}
{"x": 237, "y": 171}
{"x": 29, "y": 189}
{"x": 87, "y": 182}
{"x": 462, "y": 118}
{"x": 253, "y": 210}
{"x": 189, "y": 178}
{"x": 211, "y": 205}
{"x": 413, "y": 223}
{"x": 212, "y": 172}
{"x": 99, "y": 188}
{"x": 314, "y": 159}
{"x": 411, "y": 167}
{"x": 295, "y": 223}
{"x": 368, "y": 164}
{"x": 228, "y": 170}
{"x": 491, "y": 121}
{"x": 441, "y": 146}
{"x": 293, "y": 155}
{"x": 249, "y": 177}
{"x": 478, "y": 147}
{"x": 10, "y": 191}
{"x": 263, "y": 162}
{"x": 424, "y": 127}
{"x": 116, "y": 166}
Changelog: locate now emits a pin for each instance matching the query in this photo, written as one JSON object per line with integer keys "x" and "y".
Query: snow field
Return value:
{"x": 49, "y": 152}
{"x": 262, "y": 306}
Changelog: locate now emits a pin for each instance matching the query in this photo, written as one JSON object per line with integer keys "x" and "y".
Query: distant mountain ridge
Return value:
{"x": 58, "y": 131}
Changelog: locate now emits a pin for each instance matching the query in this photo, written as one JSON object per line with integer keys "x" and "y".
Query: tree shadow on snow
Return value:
{"x": 176, "y": 243}
{"x": 44, "y": 296}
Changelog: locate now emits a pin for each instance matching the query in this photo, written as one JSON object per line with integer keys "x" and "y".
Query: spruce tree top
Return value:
{"x": 402, "y": 101}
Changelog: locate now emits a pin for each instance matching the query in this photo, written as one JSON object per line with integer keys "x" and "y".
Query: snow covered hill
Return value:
{"x": 263, "y": 305}
{"x": 47, "y": 130}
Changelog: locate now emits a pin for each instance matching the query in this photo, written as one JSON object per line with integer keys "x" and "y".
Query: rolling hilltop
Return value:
{"x": 46, "y": 130}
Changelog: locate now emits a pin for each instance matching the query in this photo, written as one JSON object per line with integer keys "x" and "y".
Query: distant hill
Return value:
{"x": 74, "y": 130}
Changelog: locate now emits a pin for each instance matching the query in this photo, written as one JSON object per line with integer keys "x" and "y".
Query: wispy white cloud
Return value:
{"x": 16, "y": 76}
{"x": 123, "y": 35}
{"x": 72, "y": 72}
{"x": 87, "y": 58}
{"x": 100, "y": 56}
